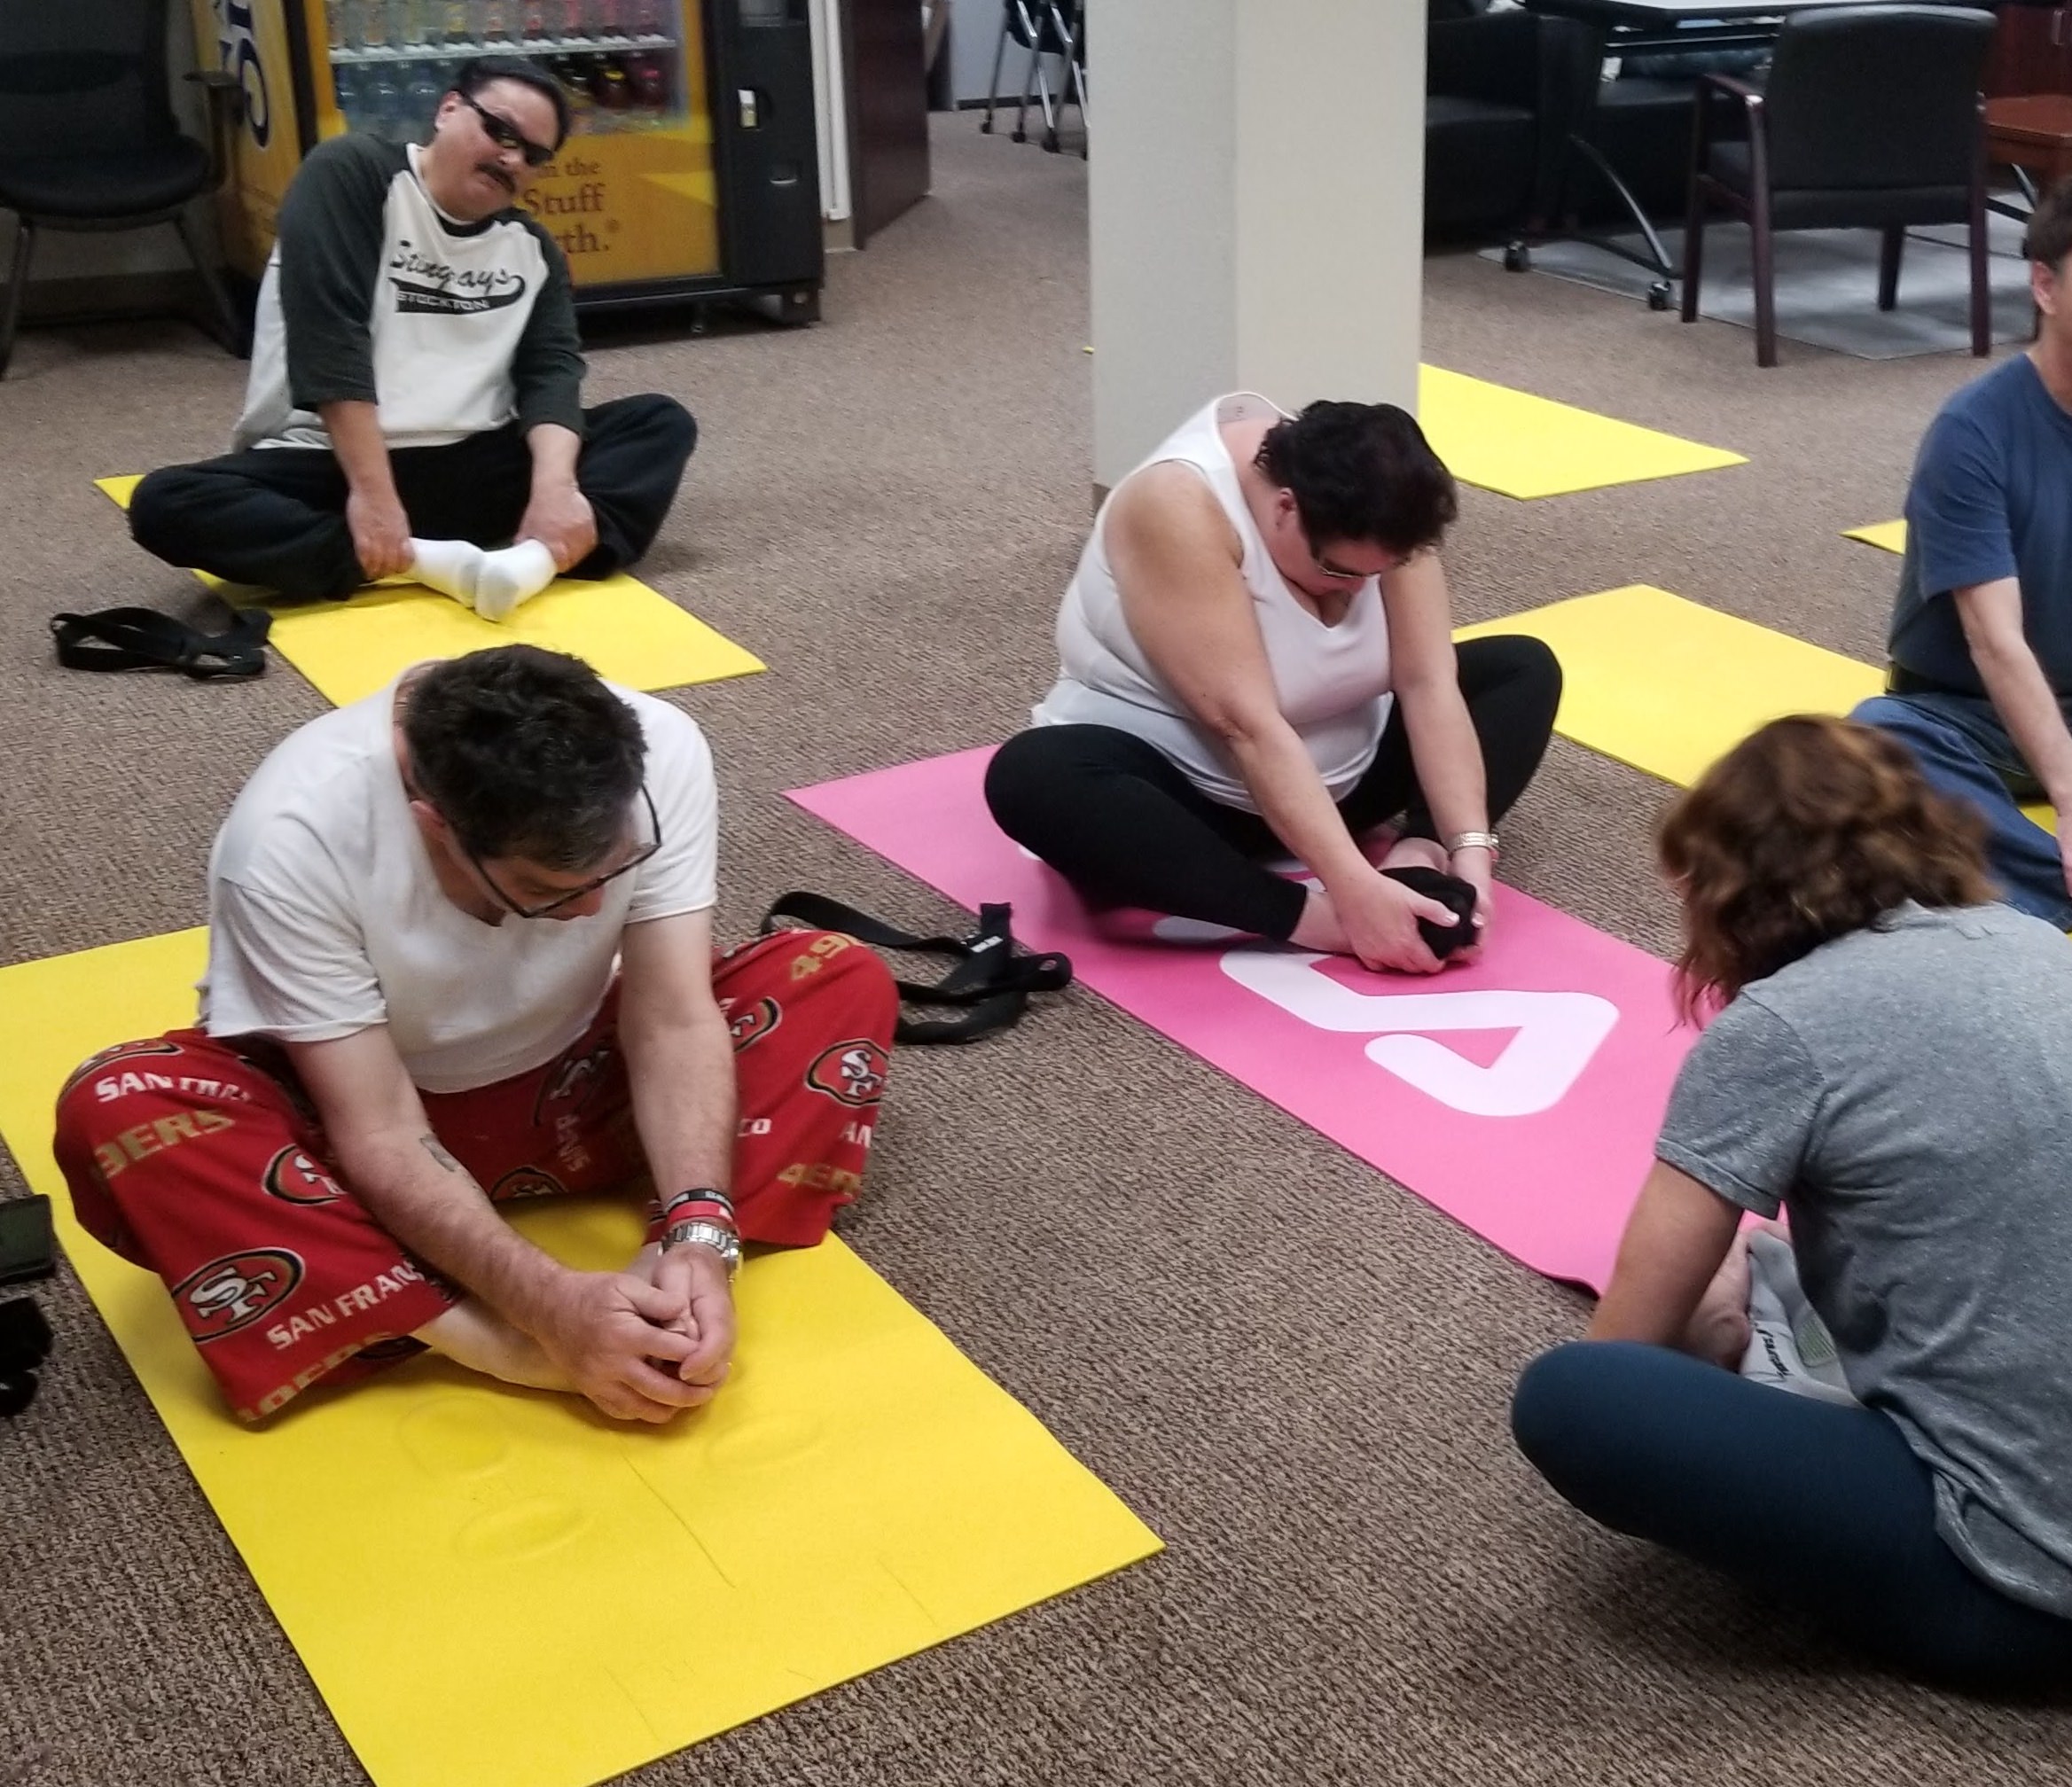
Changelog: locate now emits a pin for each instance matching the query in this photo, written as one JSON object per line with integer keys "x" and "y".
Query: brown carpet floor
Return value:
{"x": 1296, "y": 1373}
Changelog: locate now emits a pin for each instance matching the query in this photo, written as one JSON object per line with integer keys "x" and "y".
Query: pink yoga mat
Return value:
{"x": 1521, "y": 1096}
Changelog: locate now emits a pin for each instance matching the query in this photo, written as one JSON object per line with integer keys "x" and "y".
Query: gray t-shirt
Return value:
{"x": 1905, "y": 1092}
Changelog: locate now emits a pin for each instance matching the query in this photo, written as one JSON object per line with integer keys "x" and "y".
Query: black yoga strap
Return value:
{"x": 989, "y": 980}
{"x": 144, "y": 639}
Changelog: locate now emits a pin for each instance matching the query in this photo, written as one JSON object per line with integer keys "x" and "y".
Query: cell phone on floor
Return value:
{"x": 27, "y": 1247}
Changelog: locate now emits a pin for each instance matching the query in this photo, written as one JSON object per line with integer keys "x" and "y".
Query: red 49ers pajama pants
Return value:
{"x": 202, "y": 1160}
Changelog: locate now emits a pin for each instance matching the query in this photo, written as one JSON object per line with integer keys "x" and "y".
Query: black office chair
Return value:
{"x": 1503, "y": 91}
{"x": 88, "y": 140}
{"x": 1870, "y": 118}
{"x": 1042, "y": 27}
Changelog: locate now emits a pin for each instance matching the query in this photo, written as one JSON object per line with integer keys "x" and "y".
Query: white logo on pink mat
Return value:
{"x": 1557, "y": 1033}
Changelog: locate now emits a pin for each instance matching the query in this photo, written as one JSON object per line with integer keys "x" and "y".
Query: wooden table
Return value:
{"x": 2031, "y": 132}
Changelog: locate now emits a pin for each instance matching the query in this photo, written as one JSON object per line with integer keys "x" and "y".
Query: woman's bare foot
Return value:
{"x": 473, "y": 1334}
{"x": 1319, "y": 928}
{"x": 1420, "y": 852}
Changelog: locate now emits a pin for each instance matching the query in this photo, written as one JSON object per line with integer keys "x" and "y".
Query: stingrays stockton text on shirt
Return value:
{"x": 439, "y": 288}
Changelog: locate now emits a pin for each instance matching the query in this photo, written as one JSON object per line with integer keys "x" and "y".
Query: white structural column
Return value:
{"x": 1258, "y": 196}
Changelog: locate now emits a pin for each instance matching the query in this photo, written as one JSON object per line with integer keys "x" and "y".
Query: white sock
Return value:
{"x": 1789, "y": 1345}
{"x": 449, "y": 567}
{"x": 516, "y": 575}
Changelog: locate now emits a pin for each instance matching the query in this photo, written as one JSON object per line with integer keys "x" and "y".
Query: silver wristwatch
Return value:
{"x": 700, "y": 1233}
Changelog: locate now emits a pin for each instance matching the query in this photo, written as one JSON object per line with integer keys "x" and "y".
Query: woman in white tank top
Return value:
{"x": 1256, "y": 657}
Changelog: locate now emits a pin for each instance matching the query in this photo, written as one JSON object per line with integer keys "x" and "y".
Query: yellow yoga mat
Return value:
{"x": 1671, "y": 686}
{"x": 625, "y": 631}
{"x": 493, "y": 1588}
{"x": 1520, "y": 445}
{"x": 1891, "y": 536}
{"x": 1668, "y": 686}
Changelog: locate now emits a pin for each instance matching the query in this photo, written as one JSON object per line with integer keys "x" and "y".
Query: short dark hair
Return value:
{"x": 525, "y": 753}
{"x": 2049, "y": 235}
{"x": 1362, "y": 472}
{"x": 479, "y": 71}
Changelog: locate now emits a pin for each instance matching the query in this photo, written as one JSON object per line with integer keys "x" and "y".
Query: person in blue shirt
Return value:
{"x": 1981, "y": 642}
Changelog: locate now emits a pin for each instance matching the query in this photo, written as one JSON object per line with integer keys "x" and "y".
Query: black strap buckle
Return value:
{"x": 144, "y": 639}
{"x": 988, "y": 979}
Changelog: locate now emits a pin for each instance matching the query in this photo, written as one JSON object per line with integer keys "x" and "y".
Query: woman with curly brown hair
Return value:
{"x": 1888, "y": 1060}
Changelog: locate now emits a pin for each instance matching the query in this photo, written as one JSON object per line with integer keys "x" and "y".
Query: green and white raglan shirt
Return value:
{"x": 373, "y": 295}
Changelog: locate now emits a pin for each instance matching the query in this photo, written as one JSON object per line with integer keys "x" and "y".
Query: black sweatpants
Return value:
{"x": 1119, "y": 819}
{"x": 1825, "y": 1507}
{"x": 274, "y": 516}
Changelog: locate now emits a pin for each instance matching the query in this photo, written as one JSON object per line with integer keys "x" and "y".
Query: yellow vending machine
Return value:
{"x": 250, "y": 40}
{"x": 657, "y": 196}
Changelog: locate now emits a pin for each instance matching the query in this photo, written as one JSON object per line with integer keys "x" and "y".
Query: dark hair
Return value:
{"x": 479, "y": 71}
{"x": 2049, "y": 234}
{"x": 1807, "y": 830}
{"x": 525, "y": 753}
{"x": 1362, "y": 472}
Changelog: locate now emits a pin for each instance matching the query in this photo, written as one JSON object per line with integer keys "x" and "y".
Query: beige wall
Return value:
{"x": 1257, "y": 217}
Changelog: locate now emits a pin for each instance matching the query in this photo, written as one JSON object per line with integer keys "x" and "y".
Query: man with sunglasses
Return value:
{"x": 1258, "y": 661}
{"x": 461, "y": 952}
{"x": 415, "y": 400}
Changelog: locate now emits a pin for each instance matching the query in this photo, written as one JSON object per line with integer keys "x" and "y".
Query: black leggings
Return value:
{"x": 274, "y": 516}
{"x": 1825, "y": 1507}
{"x": 1118, "y": 819}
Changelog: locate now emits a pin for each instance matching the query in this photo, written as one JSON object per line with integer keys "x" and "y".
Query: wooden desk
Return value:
{"x": 2032, "y": 131}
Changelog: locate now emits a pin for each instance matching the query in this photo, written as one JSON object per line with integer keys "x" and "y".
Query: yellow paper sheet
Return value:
{"x": 625, "y": 631}
{"x": 1891, "y": 536}
{"x": 1520, "y": 445}
{"x": 493, "y": 1588}
{"x": 1671, "y": 686}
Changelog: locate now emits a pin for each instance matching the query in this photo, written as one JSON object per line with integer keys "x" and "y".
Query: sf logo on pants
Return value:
{"x": 235, "y": 1291}
{"x": 852, "y": 1072}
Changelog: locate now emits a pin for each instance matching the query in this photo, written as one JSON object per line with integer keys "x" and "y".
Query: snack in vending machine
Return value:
{"x": 612, "y": 90}
{"x": 648, "y": 74}
{"x": 421, "y": 100}
{"x": 385, "y": 108}
{"x": 569, "y": 71}
{"x": 345, "y": 88}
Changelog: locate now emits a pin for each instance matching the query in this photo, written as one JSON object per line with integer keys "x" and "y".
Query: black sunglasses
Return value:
{"x": 654, "y": 843}
{"x": 505, "y": 135}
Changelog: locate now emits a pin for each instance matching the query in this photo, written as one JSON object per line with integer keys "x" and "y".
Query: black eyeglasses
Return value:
{"x": 505, "y": 135}
{"x": 654, "y": 843}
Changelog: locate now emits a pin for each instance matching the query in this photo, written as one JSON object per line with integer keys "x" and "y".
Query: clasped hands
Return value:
{"x": 1378, "y": 915}
{"x": 647, "y": 1342}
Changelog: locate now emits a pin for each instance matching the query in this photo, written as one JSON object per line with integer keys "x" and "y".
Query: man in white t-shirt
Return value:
{"x": 460, "y": 951}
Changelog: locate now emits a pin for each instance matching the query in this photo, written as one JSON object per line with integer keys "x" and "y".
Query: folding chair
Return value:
{"x": 1043, "y": 27}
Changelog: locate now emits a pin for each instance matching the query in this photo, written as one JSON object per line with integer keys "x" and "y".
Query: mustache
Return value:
{"x": 498, "y": 173}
